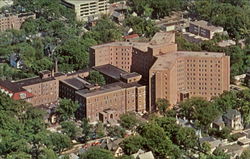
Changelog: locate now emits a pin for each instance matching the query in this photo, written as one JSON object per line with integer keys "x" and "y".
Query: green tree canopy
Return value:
{"x": 128, "y": 120}
{"x": 132, "y": 144}
{"x": 95, "y": 152}
{"x": 162, "y": 105}
{"x": 67, "y": 109}
{"x": 96, "y": 78}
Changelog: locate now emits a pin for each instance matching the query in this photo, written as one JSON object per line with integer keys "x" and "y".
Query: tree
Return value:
{"x": 96, "y": 78}
{"x": 132, "y": 144}
{"x": 104, "y": 31}
{"x": 128, "y": 120}
{"x": 67, "y": 109}
{"x": 186, "y": 138}
{"x": 70, "y": 129}
{"x": 157, "y": 141}
{"x": 99, "y": 130}
{"x": 141, "y": 26}
{"x": 200, "y": 111}
{"x": 85, "y": 129}
{"x": 23, "y": 131}
{"x": 226, "y": 101}
{"x": 95, "y": 152}
{"x": 162, "y": 105}
{"x": 47, "y": 153}
{"x": 169, "y": 126}
{"x": 116, "y": 131}
{"x": 60, "y": 142}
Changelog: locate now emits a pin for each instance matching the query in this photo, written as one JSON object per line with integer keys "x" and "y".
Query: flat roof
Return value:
{"x": 139, "y": 45}
{"x": 130, "y": 75}
{"x": 162, "y": 38}
{"x": 11, "y": 86}
{"x": 78, "y": 2}
{"x": 206, "y": 25}
{"x": 166, "y": 61}
{"x": 110, "y": 70}
{"x": 35, "y": 80}
{"x": 107, "y": 88}
{"x": 78, "y": 83}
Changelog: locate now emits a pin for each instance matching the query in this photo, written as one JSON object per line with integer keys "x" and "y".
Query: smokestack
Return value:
{"x": 52, "y": 73}
{"x": 56, "y": 65}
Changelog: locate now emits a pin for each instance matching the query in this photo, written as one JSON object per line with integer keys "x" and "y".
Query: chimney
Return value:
{"x": 53, "y": 72}
{"x": 56, "y": 65}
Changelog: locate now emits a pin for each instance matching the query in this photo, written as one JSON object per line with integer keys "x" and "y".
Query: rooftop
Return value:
{"x": 162, "y": 38}
{"x": 105, "y": 89}
{"x": 159, "y": 38}
{"x": 230, "y": 114}
{"x": 78, "y": 2}
{"x": 166, "y": 61}
{"x": 130, "y": 75}
{"x": 206, "y": 25}
{"x": 110, "y": 70}
{"x": 10, "y": 86}
{"x": 232, "y": 148}
{"x": 78, "y": 83}
{"x": 35, "y": 80}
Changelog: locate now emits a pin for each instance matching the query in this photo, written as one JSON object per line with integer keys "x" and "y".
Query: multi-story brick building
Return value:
{"x": 40, "y": 90}
{"x": 181, "y": 75}
{"x": 169, "y": 73}
{"x": 122, "y": 94}
{"x": 87, "y": 9}
{"x": 8, "y": 21}
{"x": 133, "y": 57}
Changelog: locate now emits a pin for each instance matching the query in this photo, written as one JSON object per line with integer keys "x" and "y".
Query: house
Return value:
{"x": 118, "y": 17}
{"x": 131, "y": 38}
{"x": 16, "y": 61}
{"x": 239, "y": 79}
{"x": 218, "y": 123}
{"x": 204, "y": 29}
{"x": 143, "y": 155}
{"x": 233, "y": 120}
{"x": 113, "y": 146}
{"x": 213, "y": 142}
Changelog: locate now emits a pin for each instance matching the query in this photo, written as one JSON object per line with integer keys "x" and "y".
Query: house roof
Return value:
{"x": 132, "y": 36}
{"x": 146, "y": 155}
{"x": 219, "y": 121}
{"x": 117, "y": 14}
{"x": 230, "y": 114}
{"x": 114, "y": 144}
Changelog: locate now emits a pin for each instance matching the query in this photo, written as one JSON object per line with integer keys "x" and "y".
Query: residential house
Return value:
{"x": 213, "y": 142}
{"x": 218, "y": 123}
{"x": 233, "y": 119}
{"x": 118, "y": 17}
{"x": 143, "y": 155}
